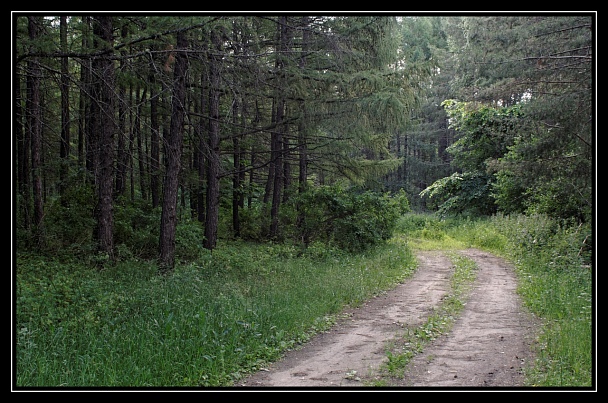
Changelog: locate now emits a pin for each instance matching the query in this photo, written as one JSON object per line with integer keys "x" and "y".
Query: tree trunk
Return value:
{"x": 213, "y": 163}
{"x": 277, "y": 182}
{"x": 103, "y": 110}
{"x": 121, "y": 154}
{"x": 64, "y": 146}
{"x": 34, "y": 120}
{"x": 277, "y": 134}
{"x": 236, "y": 182}
{"x": 154, "y": 138}
{"x": 174, "y": 145}
{"x": 122, "y": 157}
{"x": 141, "y": 152}
{"x": 141, "y": 161}
{"x": 286, "y": 168}
{"x": 91, "y": 135}
{"x": 200, "y": 153}
{"x": 302, "y": 132}
{"x": 23, "y": 151}
{"x": 85, "y": 101}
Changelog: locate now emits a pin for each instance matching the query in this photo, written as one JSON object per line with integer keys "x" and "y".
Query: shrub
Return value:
{"x": 69, "y": 221}
{"x": 351, "y": 219}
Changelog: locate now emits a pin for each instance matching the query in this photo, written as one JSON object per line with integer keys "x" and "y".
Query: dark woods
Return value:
{"x": 155, "y": 136}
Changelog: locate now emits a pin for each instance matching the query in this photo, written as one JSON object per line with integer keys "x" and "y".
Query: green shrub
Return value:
{"x": 69, "y": 221}
{"x": 352, "y": 219}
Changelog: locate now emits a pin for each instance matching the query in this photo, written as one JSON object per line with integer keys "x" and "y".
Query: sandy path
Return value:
{"x": 487, "y": 346}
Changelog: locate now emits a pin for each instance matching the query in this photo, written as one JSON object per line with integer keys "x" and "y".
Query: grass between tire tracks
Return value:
{"x": 414, "y": 339}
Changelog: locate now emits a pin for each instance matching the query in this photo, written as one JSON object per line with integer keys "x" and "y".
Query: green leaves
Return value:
{"x": 353, "y": 220}
{"x": 462, "y": 193}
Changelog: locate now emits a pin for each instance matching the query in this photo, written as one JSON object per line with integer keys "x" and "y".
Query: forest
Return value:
{"x": 160, "y": 138}
{"x": 234, "y": 123}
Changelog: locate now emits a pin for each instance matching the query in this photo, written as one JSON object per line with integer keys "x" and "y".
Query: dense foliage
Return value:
{"x": 235, "y": 126}
{"x": 522, "y": 110}
{"x": 212, "y": 119}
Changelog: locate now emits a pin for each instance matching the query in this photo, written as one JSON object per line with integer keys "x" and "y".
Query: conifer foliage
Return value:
{"x": 207, "y": 121}
{"x": 131, "y": 130}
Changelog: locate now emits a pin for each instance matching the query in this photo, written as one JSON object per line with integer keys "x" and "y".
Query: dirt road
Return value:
{"x": 488, "y": 345}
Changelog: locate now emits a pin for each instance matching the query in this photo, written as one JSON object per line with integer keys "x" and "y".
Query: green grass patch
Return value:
{"x": 208, "y": 324}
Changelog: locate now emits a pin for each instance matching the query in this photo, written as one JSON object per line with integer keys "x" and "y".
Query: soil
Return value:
{"x": 488, "y": 345}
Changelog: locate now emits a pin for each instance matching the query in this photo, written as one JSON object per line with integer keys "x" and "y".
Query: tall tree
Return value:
{"x": 174, "y": 144}
{"x": 213, "y": 162}
{"x": 303, "y": 126}
{"x": 84, "y": 103}
{"x": 277, "y": 135}
{"x": 238, "y": 107}
{"x": 102, "y": 110}
{"x": 121, "y": 153}
{"x": 154, "y": 134}
{"x": 34, "y": 120}
{"x": 23, "y": 148}
{"x": 200, "y": 149}
{"x": 64, "y": 148}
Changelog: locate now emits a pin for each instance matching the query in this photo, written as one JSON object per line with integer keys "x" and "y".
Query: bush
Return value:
{"x": 466, "y": 194}
{"x": 189, "y": 237}
{"x": 69, "y": 222}
{"x": 352, "y": 219}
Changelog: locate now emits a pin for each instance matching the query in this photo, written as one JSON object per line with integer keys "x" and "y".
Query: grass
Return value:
{"x": 208, "y": 324}
{"x": 231, "y": 312}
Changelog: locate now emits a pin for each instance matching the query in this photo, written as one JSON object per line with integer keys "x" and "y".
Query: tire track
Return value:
{"x": 487, "y": 346}
{"x": 356, "y": 347}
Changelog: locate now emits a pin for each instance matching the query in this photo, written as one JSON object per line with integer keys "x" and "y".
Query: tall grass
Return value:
{"x": 556, "y": 283}
{"x": 210, "y": 322}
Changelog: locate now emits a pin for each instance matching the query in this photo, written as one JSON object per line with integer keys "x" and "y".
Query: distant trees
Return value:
{"x": 524, "y": 86}
{"x": 421, "y": 144}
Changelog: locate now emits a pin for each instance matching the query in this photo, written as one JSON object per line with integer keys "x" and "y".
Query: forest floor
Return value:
{"x": 488, "y": 345}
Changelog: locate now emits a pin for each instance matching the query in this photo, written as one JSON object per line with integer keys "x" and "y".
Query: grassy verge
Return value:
{"x": 208, "y": 324}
